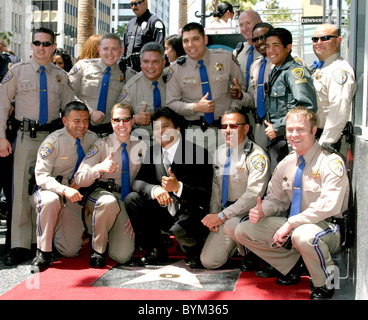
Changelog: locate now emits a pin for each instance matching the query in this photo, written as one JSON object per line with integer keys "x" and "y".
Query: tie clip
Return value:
{"x": 296, "y": 188}
{"x": 204, "y": 82}
{"x": 43, "y": 90}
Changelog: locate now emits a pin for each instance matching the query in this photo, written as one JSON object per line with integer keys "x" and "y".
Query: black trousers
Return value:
{"x": 149, "y": 218}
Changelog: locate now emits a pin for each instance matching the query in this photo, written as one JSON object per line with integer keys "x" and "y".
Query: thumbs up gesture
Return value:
{"x": 235, "y": 90}
{"x": 270, "y": 132}
{"x": 170, "y": 183}
{"x": 204, "y": 105}
{"x": 108, "y": 165}
{"x": 256, "y": 213}
{"x": 143, "y": 117}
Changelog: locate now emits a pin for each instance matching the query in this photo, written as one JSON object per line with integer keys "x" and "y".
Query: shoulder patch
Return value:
{"x": 7, "y": 77}
{"x": 299, "y": 61}
{"x": 159, "y": 24}
{"x": 46, "y": 150}
{"x": 169, "y": 74}
{"x": 259, "y": 162}
{"x": 74, "y": 70}
{"x": 235, "y": 60}
{"x": 336, "y": 167}
{"x": 299, "y": 74}
{"x": 340, "y": 76}
{"x": 123, "y": 94}
{"x": 91, "y": 152}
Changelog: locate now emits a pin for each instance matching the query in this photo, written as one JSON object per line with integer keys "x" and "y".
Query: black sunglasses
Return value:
{"x": 44, "y": 43}
{"x": 323, "y": 38}
{"x": 136, "y": 4}
{"x": 254, "y": 40}
{"x": 118, "y": 120}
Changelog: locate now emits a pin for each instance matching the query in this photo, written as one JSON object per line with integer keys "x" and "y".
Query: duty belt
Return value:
{"x": 204, "y": 125}
{"x": 109, "y": 186}
{"x": 28, "y": 125}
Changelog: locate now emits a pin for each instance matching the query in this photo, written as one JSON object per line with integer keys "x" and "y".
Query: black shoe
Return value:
{"x": 268, "y": 272}
{"x": 17, "y": 256}
{"x": 322, "y": 293}
{"x": 97, "y": 260}
{"x": 293, "y": 276}
{"x": 155, "y": 256}
{"x": 41, "y": 261}
{"x": 250, "y": 262}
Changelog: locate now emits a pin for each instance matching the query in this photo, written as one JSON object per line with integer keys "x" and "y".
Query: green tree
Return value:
{"x": 6, "y": 36}
{"x": 276, "y": 13}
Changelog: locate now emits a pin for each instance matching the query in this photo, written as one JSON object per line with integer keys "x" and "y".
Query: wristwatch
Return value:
{"x": 221, "y": 216}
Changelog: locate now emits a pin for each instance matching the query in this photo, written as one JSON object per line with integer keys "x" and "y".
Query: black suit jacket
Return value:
{"x": 192, "y": 166}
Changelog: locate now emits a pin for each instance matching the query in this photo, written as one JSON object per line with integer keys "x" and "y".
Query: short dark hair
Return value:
{"x": 112, "y": 36}
{"x": 44, "y": 30}
{"x": 284, "y": 35}
{"x": 193, "y": 26}
{"x": 170, "y": 114}
{"x": 75, "y": 105}
{"x": 262, "y": 25}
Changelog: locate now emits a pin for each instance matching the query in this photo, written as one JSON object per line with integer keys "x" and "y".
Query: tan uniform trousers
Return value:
{"x": 109, "y": 223}
{"x": 23, "y": 221}
{"x": 57, "y": 222}
{"x": 315, "y": 242}
{"x": 220, "y": 245}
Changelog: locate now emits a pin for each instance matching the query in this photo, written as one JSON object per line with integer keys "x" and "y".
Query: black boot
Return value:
{"x": 97, "y": 259}
{"x": 41, "y": 261}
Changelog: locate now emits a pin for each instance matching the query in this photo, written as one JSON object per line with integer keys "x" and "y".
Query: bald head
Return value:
{"x": 324, "y": 49}
{"x": 247, "y": 20}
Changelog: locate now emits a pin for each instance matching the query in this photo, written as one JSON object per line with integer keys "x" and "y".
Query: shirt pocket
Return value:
{"x": 222, "y": 85}
{"x": 191, "y": 85}
{"x": 27, "y": 86}
{"x": 89, "y": 87}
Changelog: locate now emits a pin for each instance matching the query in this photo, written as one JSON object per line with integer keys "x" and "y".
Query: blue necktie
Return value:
{"x": 249, "y": 62}
{"x": 43, "y": 97}
{"x": 101, "y": 106}
{"x": 209, "y": 117}
{"x": 156, "y": 96}
{"x": 225, "y": 179}
{"x": 260, "y": 91}
{"x": 125, "y": 177}
{"x": 318, "y": 64}
{"x": 297, "y": 189}
{"x": 80, "y": 152}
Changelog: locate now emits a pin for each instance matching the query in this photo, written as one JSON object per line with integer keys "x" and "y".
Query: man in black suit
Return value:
{"x": 171, "y": 192}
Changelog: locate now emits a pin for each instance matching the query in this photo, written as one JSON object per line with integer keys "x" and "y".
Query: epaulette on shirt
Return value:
{"x": 181, "y": 60}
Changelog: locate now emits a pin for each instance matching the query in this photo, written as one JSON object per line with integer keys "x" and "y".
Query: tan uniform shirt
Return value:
{"x": 87, "y": 172}
{"x": 22, "y": 82}
{"x": 248, "y": 179}
{"x": 58, "y": 155}
{"x": 254, "y": 74}
{"x": 325, "y": 187}
{"x": 86, "y": 78}
{"x": 335, "y": 87}
{"x": 183, "y": 88}
{"x": 243, "y": 57}
{"x": 138, "y": 91}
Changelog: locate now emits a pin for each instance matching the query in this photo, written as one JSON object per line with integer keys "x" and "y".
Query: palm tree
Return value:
{"x": 183, "y": 13}
{"x": 86, "y": 17}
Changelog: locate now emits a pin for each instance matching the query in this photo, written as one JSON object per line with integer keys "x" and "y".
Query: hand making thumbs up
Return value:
{"x": 108, "y": 165}
{"x": 256, "y": 213}
{"x": 170, "y": 183}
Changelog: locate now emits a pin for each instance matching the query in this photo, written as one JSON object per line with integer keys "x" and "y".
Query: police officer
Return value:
{"x": 187, "y": 91}
{"x": 145, "y": 27}
{"x": 289, "y": 85}
{"x": 305, "y": 179}
{"x": 334, "y": 80}
{"x": 260, "y": 69}
{"x": 146, "y": 91}
{"x": 245, "y": 51}
{"x": 113, "y": 162}
{"x": 57, "y": 196}
{"x": 40, "y": 90}
{"x": 247, "y": 178}
{"x": 91, "y": 77}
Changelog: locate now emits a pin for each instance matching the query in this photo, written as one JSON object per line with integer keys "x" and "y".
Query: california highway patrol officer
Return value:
{"x": 185, "y": 89}
{"x": 56, "y": 198}
{"x": 109, "y": 222}
{"x": 334, "y": 81}
{"x": 90, "y": 77}
{"x": 23, "y": 82}
{"x": 140, "y": 91}
{"x": 145, "y": 27}
{"x": 315, "y": 184}
{"x": 247, "y": 178}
